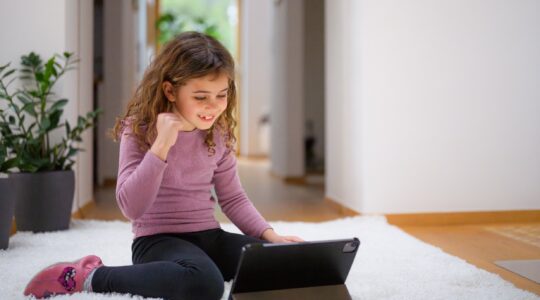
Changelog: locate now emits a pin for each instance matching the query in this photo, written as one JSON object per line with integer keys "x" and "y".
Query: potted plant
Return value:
{"x": 7, "y": 204}
{"x": 42, "y": 145}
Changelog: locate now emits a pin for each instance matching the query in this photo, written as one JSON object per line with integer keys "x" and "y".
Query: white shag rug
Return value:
{"x": 390, "y": 264}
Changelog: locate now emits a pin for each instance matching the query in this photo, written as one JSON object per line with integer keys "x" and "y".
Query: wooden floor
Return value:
{"x": 479, "y": 244}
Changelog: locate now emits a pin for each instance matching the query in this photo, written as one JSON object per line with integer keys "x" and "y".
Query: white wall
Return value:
{"x": 445, "y": 101}
{"x": 343, "y": 176}
{"x": 255, "y": 74}
{"x": 47, "y": 28}
{"x": 80, "y": 41}
{"x": 287, "y": 109}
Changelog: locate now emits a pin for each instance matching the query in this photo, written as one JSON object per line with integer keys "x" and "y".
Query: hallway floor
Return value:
{"x": 480, "y": 244}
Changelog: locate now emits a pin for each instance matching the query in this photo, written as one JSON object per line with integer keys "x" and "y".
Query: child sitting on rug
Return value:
{"x": 176, "y": 142}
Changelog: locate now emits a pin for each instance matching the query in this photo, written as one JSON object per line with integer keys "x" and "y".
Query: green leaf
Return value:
{"x": 13, "y": 79}
{"x": 44, "y": 85}
{"x": 3, "y": 153}
{"x": 4, "y": 66}
{"x": 72, "y": 151}
{"x": 45, "y": 124}
{"x": 8, "y": 164}
{"x": 29, "y": 109}
{"x": 21, "y": 121}
{"x": 15, "y": 107}
{"x": 58, "y": 105}
{"x": 31, "y": 127}
{"x": 34, "y": 93}
{"x": 39, "y": 76}
{"x": 55, "y": 118}
{"x": 95, "y": 113}
{"x": 31, "y": 60}
{"x": 8, "y": 73}
{"x": 81, "y": 121}
{"x": 28, "y": 167}
{"x": 49, "y": 67}
{"x": 24, "y": 99}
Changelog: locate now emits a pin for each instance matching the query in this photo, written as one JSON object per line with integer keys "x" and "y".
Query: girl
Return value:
{"x": 176, "y": 142}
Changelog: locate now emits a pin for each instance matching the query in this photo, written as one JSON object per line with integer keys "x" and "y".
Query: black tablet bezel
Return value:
{"x": 294, "y": 265}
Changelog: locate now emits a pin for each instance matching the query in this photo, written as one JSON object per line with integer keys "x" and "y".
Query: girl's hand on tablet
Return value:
{"x": 271, "y": 236}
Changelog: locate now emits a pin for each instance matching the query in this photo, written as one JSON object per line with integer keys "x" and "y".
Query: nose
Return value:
{"x": 210, "y": 104}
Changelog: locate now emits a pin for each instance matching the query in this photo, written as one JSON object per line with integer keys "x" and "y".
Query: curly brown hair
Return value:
{"x": 189, "y": 55}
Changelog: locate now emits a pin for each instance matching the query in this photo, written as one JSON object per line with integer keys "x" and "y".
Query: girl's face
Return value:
{"x": 200, "y": 101}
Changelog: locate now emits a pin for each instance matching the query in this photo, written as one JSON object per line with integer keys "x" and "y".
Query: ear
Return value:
{"x": 168, "y": 90}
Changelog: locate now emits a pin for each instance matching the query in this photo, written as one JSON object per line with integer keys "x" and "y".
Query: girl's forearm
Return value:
{"x": 160, "y": 150}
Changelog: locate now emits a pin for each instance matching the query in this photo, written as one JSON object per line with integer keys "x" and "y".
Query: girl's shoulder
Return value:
{"x": 132, "y": 129}
{"x": 127, "y": 125}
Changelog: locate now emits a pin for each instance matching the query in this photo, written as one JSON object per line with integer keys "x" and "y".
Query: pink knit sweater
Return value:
{"x": 174, "y": 195}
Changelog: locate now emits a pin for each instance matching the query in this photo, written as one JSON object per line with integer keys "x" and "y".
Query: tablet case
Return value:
{"x": 294, "y": 269}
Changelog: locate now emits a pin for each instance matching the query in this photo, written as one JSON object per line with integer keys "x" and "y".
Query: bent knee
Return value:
{"x": 208, "y": 284}
{"x": 204, "y": 282}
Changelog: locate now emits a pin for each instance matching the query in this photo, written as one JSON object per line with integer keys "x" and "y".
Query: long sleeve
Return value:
{"x": 139, "y": 177}
{"x": 175, "y": 195}
{"x": 233, "y": 199}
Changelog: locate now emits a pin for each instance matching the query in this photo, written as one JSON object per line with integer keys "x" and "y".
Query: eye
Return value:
{"x": 199, "y": 98}
{"x": 222, "y": 96}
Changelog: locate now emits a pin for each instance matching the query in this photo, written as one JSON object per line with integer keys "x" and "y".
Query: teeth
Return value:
{"x": 206, "y": 117}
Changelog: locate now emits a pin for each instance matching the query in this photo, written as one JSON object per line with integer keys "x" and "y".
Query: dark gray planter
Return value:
{"x": 7, "y": 207}
{"x": 44, "y": 200}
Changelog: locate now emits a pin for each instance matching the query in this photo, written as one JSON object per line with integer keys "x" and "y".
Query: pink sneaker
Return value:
{"x": 62, "y": 278}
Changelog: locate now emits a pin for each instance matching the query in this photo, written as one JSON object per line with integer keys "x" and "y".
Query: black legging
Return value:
{"x": 176, "y": 265}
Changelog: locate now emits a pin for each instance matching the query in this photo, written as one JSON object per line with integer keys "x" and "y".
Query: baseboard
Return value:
{"x": 82, "y": 211}
{"x": 296, "y": 180}
{"x": 342, "y": 209}
{"x": 464, "y": 218}
{"x": 450, "y": 218}
{"x": 13, "y": 227}
{"x": 109, "y": 182}
{"x": 255, "y": 157}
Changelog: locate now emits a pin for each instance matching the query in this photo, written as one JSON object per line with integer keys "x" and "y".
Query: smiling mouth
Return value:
{"x": 207, "y": 118}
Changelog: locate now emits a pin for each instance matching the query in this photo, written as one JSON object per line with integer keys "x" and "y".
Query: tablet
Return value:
{"x": 294, "y": 266}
